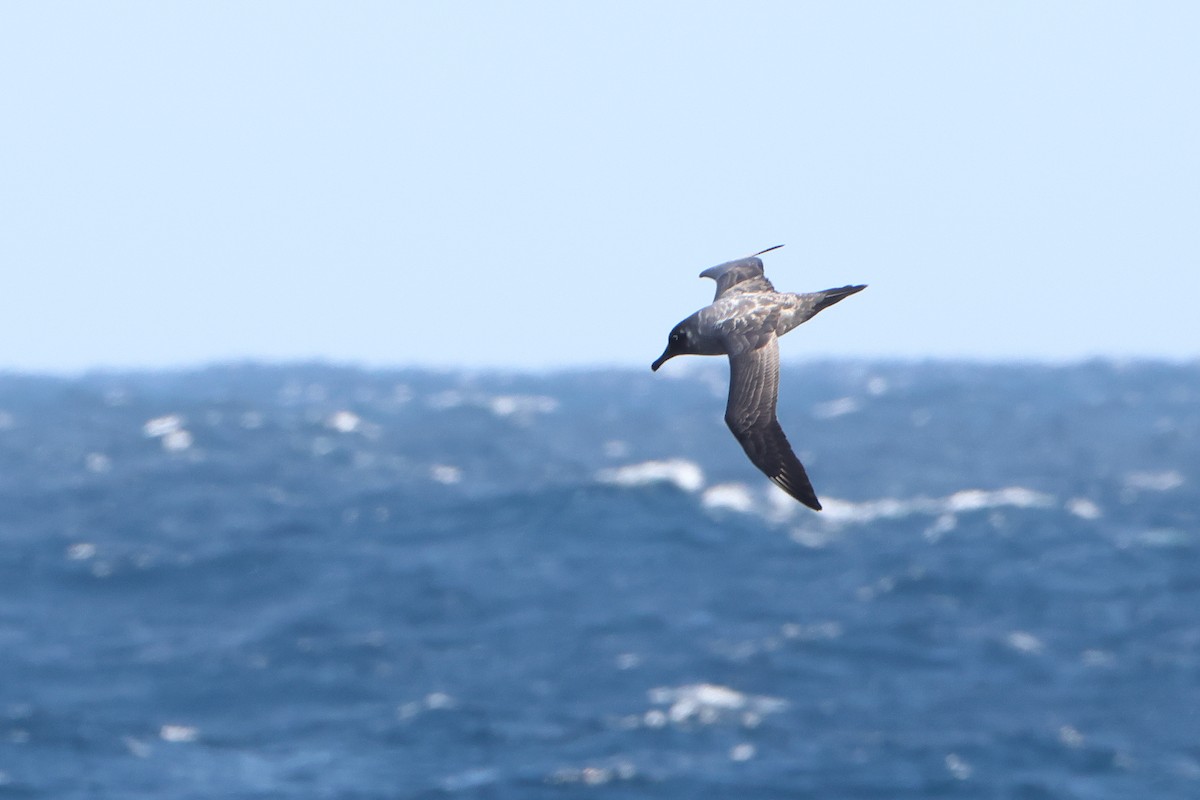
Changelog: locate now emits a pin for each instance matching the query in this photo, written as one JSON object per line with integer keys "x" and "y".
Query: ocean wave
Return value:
{"x": 730, "y": 496}
{"x": 775, "y": 505}
{"x": 685, "y": 474}
{"x": 837, "y": 408}
{"x": 594, "y": 774}
{"x": 495, "y": 590}
{"x": 1163, "y": 481}
{"x": 963, "y": 501}
{"x": 707, "y": 704}
{"x": 520, "y": 406}
{"x": 170, "y": 431}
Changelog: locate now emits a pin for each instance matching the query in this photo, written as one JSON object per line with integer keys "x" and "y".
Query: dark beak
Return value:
{"x": 662, "y": 359}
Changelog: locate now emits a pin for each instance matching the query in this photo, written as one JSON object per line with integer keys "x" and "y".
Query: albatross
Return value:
{"x": 744, "y": 321}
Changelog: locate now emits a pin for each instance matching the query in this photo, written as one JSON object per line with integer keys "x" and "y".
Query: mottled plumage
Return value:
{"x": 745, "y": 321}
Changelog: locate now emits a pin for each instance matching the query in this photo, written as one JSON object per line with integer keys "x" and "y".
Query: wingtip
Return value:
{"x": 809, "y": 499}
{"x": 802, "y": 494}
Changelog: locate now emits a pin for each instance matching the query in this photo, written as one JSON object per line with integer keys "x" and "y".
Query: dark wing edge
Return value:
{"x": 753, "y": 391}
{"x": 732, "y": 273}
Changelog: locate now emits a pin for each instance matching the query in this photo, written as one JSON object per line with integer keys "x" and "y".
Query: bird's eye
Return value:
{"x": 675, "y": 337}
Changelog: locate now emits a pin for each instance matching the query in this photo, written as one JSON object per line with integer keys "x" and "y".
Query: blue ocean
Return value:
{"x": 310, "y": 581}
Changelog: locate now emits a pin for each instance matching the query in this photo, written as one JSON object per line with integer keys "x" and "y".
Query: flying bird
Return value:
{"x": 744, "y": 322}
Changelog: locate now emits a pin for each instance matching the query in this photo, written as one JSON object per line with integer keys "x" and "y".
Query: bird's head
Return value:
{"x": 684, "y": 339}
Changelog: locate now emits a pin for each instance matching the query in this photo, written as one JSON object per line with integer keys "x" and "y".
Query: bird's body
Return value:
{"x": 744, "y": 322}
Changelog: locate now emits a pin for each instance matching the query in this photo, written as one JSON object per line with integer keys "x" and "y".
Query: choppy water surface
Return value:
{"x": 319, "y": 582}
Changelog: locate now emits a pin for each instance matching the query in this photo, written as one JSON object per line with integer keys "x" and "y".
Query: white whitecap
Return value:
{"x": 836, "y": 408}
{"x": 628, "y": 660}
{"x": 707, "y": 703}
{"x": 940, "y": 527}
{"x": 1084, "y": 508}
{"x": 1070, "y": 736}
{"x": 343, "y": 421}
{"x": 81, "y": 551}
{"x": 177, "y": 441}
{"x": 178, "y": 733}
{"x": 812, "y": 538}
{"x": 847, "y": 512}
{"x": 593, "y": 775}
{"x": 685, "y": 474}
{"x": 136, "y": 747}
{"x": 812, "y": 631}
{"x": 731, "y": 496}
{"x": 98, "y": 463}
{"x": 1163, "y": 481}
{"x": 958, "y": 767}
{"x": 742, "y": 752}
{"x": 471, "y": 779}
{"x": 1024, "y": 642}
{"x": 654, "y": 718}
{"x": 445, "y": 474}
{"x": 521, "y": 404}
{"x": 1097, "y": 658}
{"x": 161, "y": 426}
{"x": 1159, "y": 537}
{"x": 1015, "y": 496}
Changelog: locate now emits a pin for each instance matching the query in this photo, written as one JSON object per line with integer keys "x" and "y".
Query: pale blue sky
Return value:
{"x": 538, "y": 184}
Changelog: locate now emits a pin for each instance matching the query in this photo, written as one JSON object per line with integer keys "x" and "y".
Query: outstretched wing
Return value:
{"x": 753, "y": 391}
{"x": 746, "y": 274}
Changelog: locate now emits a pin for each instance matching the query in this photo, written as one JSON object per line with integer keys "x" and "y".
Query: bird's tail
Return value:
{"x": 830, "y": 296}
